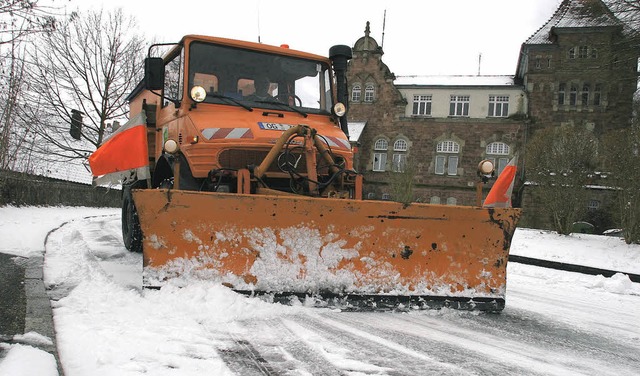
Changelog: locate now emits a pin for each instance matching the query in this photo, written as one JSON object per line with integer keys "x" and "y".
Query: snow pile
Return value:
{"x": 604, "y": 252}
{"x": 617, "y": 284}
{"x": 25, "y": 360}
{"x": 24, "y": 229}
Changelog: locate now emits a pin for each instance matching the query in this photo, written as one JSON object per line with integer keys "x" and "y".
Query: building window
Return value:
{"x": 585, "y": 94}
{"x": 369, "y": 93}
{"x": 399, "y": 162}
{"x": 538, "y": 62}
{"x": 583, "y": 52}
{"x": 452, "y": 201}
{"x": 573, "y": 95}
{"x": 593, "y": 205}
{"x": 434, "y": 200}
{"x": 448, "y": 147}
{"x": 459, "y": 105}
{"x": 386, "y": 196}
{"x": 399, "y": 158}
{"x": 371, "y": 196}
{"x": 447, "y": 158}
{"x": 597, "y": 92}
{"x": 497, "y": 153}
{"x": 400, "y": 145}
{"x": 498, "y": 105}
{"x": 381, "y": 144}
{"x": 356, "y": 91}
{"x": 561, "y": 93}
{"x": 380, "y": 154}
{"x": 572, "y": 53}
{"x": 594, "y": 53}
{"x": 421, "y": 105}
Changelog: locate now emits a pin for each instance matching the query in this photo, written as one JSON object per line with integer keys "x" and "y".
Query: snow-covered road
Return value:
{"x": 554, "y": 323}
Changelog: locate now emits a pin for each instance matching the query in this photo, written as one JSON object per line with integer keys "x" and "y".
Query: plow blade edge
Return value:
{"x": 361, "y": 250}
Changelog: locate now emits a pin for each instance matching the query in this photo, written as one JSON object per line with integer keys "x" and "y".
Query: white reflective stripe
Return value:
{"x": 237, "y": 133}
{"x": 227, "y": 133}
{"x": 209, "y": 132}
{"x": 338, "y": 142}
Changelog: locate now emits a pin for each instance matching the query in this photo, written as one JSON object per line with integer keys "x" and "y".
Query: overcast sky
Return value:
{"x": 425, "y": 37}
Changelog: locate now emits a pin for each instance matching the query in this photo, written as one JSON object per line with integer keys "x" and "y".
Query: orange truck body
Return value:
{"x": 263, "y": 196}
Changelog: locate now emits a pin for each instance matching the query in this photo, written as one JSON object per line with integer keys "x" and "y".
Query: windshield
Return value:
{"x": 234, "y": 76}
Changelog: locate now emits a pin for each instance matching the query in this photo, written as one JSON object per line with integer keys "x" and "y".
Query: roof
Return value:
{"x": 454, "y": 81}
{"x": 575, "y": 14}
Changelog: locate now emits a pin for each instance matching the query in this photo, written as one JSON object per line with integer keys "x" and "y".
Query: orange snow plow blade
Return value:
{"x": 361, "y": 253}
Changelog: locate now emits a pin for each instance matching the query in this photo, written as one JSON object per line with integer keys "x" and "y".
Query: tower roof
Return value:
{"x": 575, "y": 14}
{"x": 367, "y": 43}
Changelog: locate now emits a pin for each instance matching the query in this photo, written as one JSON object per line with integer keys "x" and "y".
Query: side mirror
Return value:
{"x": 154, "y": 73}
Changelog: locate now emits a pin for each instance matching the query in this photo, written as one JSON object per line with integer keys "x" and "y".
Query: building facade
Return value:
{"x": 576, "y": 69}
{"x": 435, "y": 128}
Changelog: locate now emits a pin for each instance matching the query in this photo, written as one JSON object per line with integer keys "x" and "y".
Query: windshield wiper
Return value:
{"x": 231, "y": 99}
{"x": 287, "y": 106}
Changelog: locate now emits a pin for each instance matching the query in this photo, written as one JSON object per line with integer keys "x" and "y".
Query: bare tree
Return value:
{"x": 402, "y": 182}
{"x": 87, "y": 65}
{"x": 622, "y": 161}
{"x": 560, "y": 162}
{"x": 18, "y": 20}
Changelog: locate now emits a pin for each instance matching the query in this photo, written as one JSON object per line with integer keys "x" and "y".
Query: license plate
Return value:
{"x": 274, "y": 126}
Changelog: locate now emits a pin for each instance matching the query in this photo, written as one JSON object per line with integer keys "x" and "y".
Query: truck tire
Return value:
{"x": 131, "y": 232}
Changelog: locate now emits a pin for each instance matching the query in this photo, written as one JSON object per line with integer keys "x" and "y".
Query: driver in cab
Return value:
{"x": 261, "y": 92}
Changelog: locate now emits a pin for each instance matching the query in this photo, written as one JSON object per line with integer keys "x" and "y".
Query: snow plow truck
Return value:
{"x": 236, "y": 167}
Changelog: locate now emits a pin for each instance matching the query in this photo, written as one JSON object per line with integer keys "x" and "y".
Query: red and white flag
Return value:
{"x": 500, "y": 194}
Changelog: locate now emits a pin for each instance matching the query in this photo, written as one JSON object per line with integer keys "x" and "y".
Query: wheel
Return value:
{"x": 131, "y": 232}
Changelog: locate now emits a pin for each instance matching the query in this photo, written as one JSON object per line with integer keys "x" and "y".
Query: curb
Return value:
{"x": 571, "y": 267}
{"x": 39, "y": 315}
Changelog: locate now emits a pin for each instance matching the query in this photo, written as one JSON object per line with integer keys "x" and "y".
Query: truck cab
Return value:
{"x": 215, "y": 106}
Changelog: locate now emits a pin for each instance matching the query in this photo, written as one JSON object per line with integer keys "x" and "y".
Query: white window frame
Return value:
{"x": 369, "y": 93}
{"x": 379, "y": 162}
{"x": 447, "y": 158}
{"x": 498, "y": 105}
{"x": 497, "y": 152}
{"x": 459, "y": 105}
{"x": 400, "y": 145}
{"x": 422, "y": 105}
{"x": 356, "y": 92}
{"x": 399, "y": 162}
{"x": 434, "y": 200}
{"x": 380, "y": 148}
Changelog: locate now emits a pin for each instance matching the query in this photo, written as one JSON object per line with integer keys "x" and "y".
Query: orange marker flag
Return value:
{"x": 124, "y": 151}
{"x": 500, "y": 194}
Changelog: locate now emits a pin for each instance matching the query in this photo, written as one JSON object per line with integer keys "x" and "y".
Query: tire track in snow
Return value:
{"x": 280, "y": 350}
{"x": 353, "y": 349}
{"x": 494, "y": 344}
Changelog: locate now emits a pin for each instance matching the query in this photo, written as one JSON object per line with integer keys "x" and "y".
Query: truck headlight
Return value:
{"x": 198, "y": 94}
{"x": 340, "y": 109}
{"x": 171, "y": 146}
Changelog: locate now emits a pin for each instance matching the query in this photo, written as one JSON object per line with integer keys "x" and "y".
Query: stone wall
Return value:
{"x": 24, "y": 189}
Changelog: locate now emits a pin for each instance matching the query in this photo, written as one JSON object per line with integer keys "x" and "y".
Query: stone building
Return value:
{"x": 441, "y": 126}
{"x": 580, "y": 68}
{"x": 575, "y": 69}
